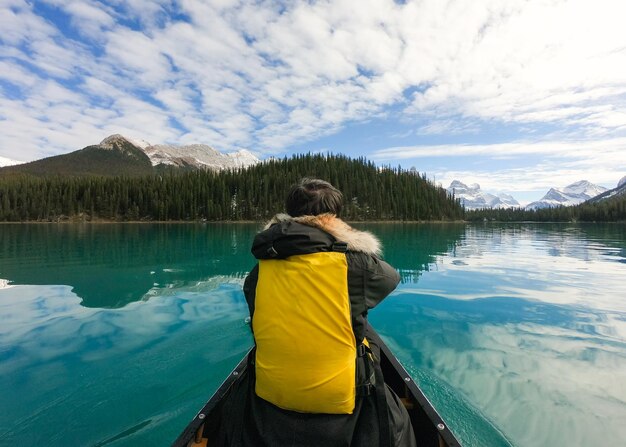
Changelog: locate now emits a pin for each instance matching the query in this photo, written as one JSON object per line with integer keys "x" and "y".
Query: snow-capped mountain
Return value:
{"x": 243, "y": 158}
{"x": 8, "y": 162}
{"x": 619, "y": 190}
{"x": 570, "y": 195}
{"x": 472, "y": 197}
{"x": 189, "y": 156}
{"x": 119, "y": 155}
{"x": 199, "y": 156}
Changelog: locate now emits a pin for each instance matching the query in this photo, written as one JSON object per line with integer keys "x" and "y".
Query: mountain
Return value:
{"x": 473, "y": 198}
{"x": 619, "y": 190}
{"x": 198, "y": 156}
{"x": 115, "y": 155}
{"x": 118, "y": 155}
{"x": 573, "y": 194}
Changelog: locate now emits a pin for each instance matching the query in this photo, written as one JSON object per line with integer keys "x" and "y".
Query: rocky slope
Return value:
{"x": 573, "y": 194}
{"x": 472, "y": 197}
{"x": 118, "y": 155}
{"x": 619, "y": 190}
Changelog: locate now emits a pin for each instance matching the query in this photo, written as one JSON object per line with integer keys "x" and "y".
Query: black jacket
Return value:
{"x": 248, "y": 420}
{"x": 370, "y": 279}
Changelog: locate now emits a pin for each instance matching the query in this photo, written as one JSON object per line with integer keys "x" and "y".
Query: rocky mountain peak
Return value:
{"x": 572, "y": 194}
{"x": 191, "y": 156}
{"x": 473, "y": 198}
{"x": 112, "y": 141}
{"x": 116, "y": 140}
{"x": 457, "y": 184}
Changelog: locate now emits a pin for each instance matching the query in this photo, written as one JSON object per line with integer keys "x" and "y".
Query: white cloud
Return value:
{"x": 268, "y": 75}
{"x": 139, "y": 58}
{"x": 16, "y": 74}
{"x": 533, "y": 64}
{"x": 89, "y": 17}
{"x": 19, "y": 24}
{"x": 606, "y": 150}
{"x": 541, "y": 165}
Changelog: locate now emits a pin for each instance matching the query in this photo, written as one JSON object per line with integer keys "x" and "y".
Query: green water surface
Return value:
{"x": 116, "y": 334}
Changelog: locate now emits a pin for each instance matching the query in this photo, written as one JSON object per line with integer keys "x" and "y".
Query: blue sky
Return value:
{"x": 516, "y": 96}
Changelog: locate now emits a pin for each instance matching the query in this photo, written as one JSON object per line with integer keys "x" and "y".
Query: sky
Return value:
{"x": 517, "y": 96}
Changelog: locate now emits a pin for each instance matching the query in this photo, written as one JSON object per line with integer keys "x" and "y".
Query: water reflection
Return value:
{"x": 109, "y": 266}
{"x": 134, "y": 325}
{"x": 528, "y": 322}
{"x": 72, "y": 375}
{"x": 413, "y": 249}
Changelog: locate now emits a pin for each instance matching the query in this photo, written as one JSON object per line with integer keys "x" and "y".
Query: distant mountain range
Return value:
{"x": 472, "y": 197}
{"x": 619, "y": 190}
{"x": 118, "y": 155}
{"x": 573, "y": 194}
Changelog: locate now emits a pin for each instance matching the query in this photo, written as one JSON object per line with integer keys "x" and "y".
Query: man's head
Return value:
{"x": 313, "y": 197}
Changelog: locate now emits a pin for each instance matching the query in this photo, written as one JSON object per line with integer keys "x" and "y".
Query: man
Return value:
{"x": 315, "y": 381}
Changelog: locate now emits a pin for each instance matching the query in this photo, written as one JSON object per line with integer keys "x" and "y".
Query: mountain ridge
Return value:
{"x": 472, "y": 197}
{"x": 572, "y": 194}
{"x": 619, "y": 190}
{"x": 120, "y": 155}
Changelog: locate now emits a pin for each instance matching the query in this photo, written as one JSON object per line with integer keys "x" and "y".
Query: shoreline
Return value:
{"x": 139, "y": 222}
{"x": 262, "y": 222}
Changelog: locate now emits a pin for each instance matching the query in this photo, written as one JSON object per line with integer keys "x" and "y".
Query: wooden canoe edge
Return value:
{"x": 191, "y": 429}
{"x": 436, "y": 420}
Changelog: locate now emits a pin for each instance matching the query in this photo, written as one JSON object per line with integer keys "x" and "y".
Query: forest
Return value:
{"x": 252, "y": 194}
{"x": 609, "y": 210}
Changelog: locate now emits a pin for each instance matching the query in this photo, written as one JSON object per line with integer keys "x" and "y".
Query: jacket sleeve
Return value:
{"x": 381, "y": 279}
{"x": 370, "y": 280}
{"x": 249, "y": 289}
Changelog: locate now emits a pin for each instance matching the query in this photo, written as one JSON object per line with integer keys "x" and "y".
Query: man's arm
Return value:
{"x": 370, "y": 280}
{"x": 249, "y": 289}
{"x": 381, "y": 279}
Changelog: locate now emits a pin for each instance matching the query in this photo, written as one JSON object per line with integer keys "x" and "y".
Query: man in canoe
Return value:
{"x": 314, "y": 378}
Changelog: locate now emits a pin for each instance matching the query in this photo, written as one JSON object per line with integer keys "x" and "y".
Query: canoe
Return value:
{"x": 430, "y": 429}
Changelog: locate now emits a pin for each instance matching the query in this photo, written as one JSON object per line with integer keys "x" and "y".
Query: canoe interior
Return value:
{"x": 430, "y": 429}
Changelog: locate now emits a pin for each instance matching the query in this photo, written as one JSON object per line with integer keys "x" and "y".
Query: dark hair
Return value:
{"x": 313, "y": 197}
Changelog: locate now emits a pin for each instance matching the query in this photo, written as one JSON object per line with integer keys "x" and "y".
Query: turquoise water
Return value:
{"x": 116, "y": 334}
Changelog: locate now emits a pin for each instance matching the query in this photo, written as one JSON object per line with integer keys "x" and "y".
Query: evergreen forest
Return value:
{"x": 608, "y": 210}
{"x": 255, "y": 193}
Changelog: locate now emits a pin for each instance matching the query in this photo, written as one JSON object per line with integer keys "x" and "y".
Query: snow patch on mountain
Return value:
{"x": 199, "y": 156}
{"x": 141, "y": 144}
{"x": 243, "y": 158}
{"x": 619, "y": 190}
{"x": 472, "y": 197}
{"x": 571, "y": 195}
{"x": 193, "y": 155}
{"x": 9, "y": 162}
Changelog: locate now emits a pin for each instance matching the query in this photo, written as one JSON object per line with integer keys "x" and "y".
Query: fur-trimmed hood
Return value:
{"x": 357, "y": 240}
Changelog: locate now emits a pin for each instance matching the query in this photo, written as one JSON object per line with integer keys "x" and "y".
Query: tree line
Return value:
{"x": 254, "y": 193}
{"x": 608, "y": 210}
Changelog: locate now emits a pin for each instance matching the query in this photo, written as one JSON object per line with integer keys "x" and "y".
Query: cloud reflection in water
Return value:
{"x": 529, "y": 324}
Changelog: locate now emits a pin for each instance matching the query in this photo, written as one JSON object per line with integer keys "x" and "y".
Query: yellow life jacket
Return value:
{"x": 305, "y": 345}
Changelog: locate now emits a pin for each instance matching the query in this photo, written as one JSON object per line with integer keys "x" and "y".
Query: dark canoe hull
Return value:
{"x": 430, "y": 429}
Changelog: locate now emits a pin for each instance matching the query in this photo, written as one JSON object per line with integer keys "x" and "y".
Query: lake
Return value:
{"x": 116, "y": 334}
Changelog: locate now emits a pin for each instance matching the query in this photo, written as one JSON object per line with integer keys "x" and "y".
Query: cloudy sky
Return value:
{"x": 515, "y": 95}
